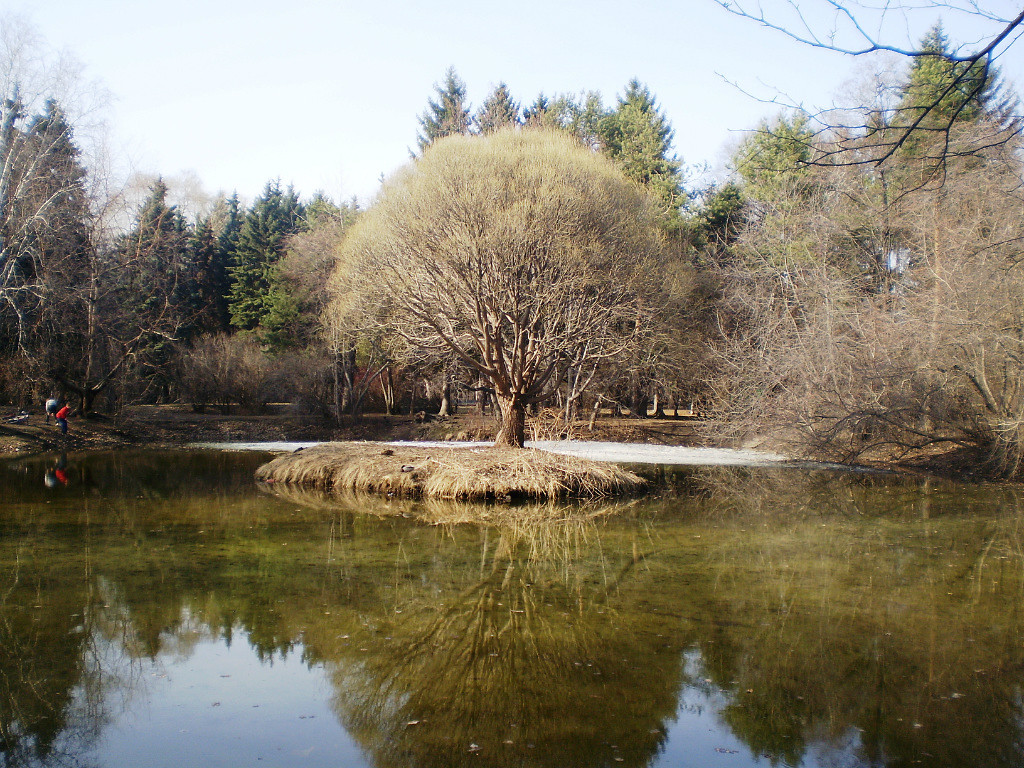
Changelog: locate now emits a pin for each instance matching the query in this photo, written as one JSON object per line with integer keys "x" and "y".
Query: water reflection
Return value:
{"x": 748, "y": 616}
{"x": 57, "y": 475}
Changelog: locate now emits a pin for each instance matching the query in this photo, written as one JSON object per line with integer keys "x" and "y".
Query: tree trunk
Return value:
{"x": 348, "y": 379}
{"x": 387, "y": 388}
{"x": 595, "y": 412}
{"x": 481, "y": 399}
{"x": 337, "y": 388}
{"x": 659, "y": 410}
{"x": 513, "y": 422}
{"x": 640, "y": 399}
{"x": 446, "y": 401}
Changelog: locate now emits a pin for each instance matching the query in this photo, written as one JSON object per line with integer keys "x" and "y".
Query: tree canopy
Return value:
{"x": 519, "y": 253}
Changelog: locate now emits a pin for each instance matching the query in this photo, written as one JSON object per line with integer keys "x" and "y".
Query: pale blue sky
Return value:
{"x": 325, "y": 95}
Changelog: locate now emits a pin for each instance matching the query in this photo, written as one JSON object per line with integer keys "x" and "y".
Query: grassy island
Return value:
{"x": 477, "y": 473}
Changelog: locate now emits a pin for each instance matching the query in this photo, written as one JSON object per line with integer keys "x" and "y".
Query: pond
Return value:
{"x": 158, "y": 609}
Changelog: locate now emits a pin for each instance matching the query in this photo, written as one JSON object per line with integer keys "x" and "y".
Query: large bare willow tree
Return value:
{"x": 520, "y": 254}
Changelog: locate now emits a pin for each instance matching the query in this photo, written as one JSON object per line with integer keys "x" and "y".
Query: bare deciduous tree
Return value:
{"x": 520, "y": 254}
{"x": 850, "y": 325}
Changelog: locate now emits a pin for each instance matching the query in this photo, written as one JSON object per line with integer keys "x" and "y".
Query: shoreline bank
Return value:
{"x": 174, "y": 426}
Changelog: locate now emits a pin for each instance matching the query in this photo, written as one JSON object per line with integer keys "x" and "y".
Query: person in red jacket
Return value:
{"x": 62, "y": 419}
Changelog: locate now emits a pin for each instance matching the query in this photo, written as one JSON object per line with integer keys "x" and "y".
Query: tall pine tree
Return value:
{"x": 447, "y": 114}
{"x": 940, "y": 97}
{"x": 638, "y": 137}
{"x": 155, "y": 255}
{"x": 44, "y": 219}
{"x": 209, "y": 280}
{"x": 775, "y": 155}
{"x": 261, "y": 242}
{"x": 498, "y": 111}
{"x": 940, "y": 89}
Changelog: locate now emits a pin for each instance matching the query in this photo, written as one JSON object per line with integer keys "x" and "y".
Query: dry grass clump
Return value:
{"x": 481, "y": 474}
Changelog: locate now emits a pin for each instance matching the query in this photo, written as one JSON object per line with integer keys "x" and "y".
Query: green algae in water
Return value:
{"x": 159, "y": 609}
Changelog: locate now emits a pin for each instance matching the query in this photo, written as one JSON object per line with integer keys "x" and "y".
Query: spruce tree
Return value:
{"x": 47, "y": 241}
{"x": 774, "y": 155}
{"x": 942, "y": 94}
{"x": 498, "y": 111}
{"x": 587, "y": 116}
{"x": 446, "y": 115}
{"x": 208, "y": 280}
{"x": 538, "y": 114}
{"x": 940, "y": 89}
{"x": 272, "y": 218}
{"x": 638, "y": 137}
{"x": 57, "y": 238}
{"x": 155, "y": 295}
{"x": 44, "y": 222}
{"x": 155, "y": 253}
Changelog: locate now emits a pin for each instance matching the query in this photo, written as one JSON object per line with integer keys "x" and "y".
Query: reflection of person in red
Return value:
{"x": 58, "y": 474}
{"x": 62, "y": 419}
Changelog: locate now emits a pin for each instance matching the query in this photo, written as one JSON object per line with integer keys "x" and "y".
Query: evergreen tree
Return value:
{"x": 775, "y": 154}
{"x": 299, "y": 293}
{"x": 539, "y": 113}
{"x": 446, "y": 115}
{"x": 587, "y": 117}
{"x": 231, "y": 227}
{"x": 498, "y": 111}
{"x": 319, "y": 210}
{"x": 581, "y": 116}
{"x": 155, "y": 254}
{"x": 719, "y": 217}
{"x": 228, "y": 231}
{"x": 940, "y": 89}
{"x": 638, "y": 137}
{"x": 272, "y": 218}
{"x": 209, "y": 280}
{"x": 155, "y": 291}
{"x": 53, "y": 248}
{"x": 62, "y": 183}
{"x": 279, "y": 326}
{"x": 44, "y": 222}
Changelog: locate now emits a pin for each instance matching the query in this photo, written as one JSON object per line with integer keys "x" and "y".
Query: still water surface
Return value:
{"x": 158, "y": 609}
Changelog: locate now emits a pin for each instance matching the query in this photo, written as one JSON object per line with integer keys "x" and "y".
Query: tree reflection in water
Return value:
{"x": 531, "y": 660}
{"x": 830, "y": 619}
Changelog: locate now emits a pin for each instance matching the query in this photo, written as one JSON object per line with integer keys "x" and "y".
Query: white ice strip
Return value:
{"x": 629, "y": 453}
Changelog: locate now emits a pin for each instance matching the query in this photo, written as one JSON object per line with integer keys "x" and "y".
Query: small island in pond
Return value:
{"x": 477, "y": 473}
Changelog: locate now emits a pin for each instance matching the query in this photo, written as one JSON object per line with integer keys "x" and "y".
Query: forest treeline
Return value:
{"x": 854, "y": 288}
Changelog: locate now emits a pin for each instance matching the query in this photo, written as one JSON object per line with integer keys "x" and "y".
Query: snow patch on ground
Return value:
{"x": 658, "y": 454}
{"x": 270, "y": 446}
{"x": 626, "y": 453}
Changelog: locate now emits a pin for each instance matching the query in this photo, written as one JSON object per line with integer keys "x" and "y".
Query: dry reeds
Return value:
{"x": 479, "y": 474}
